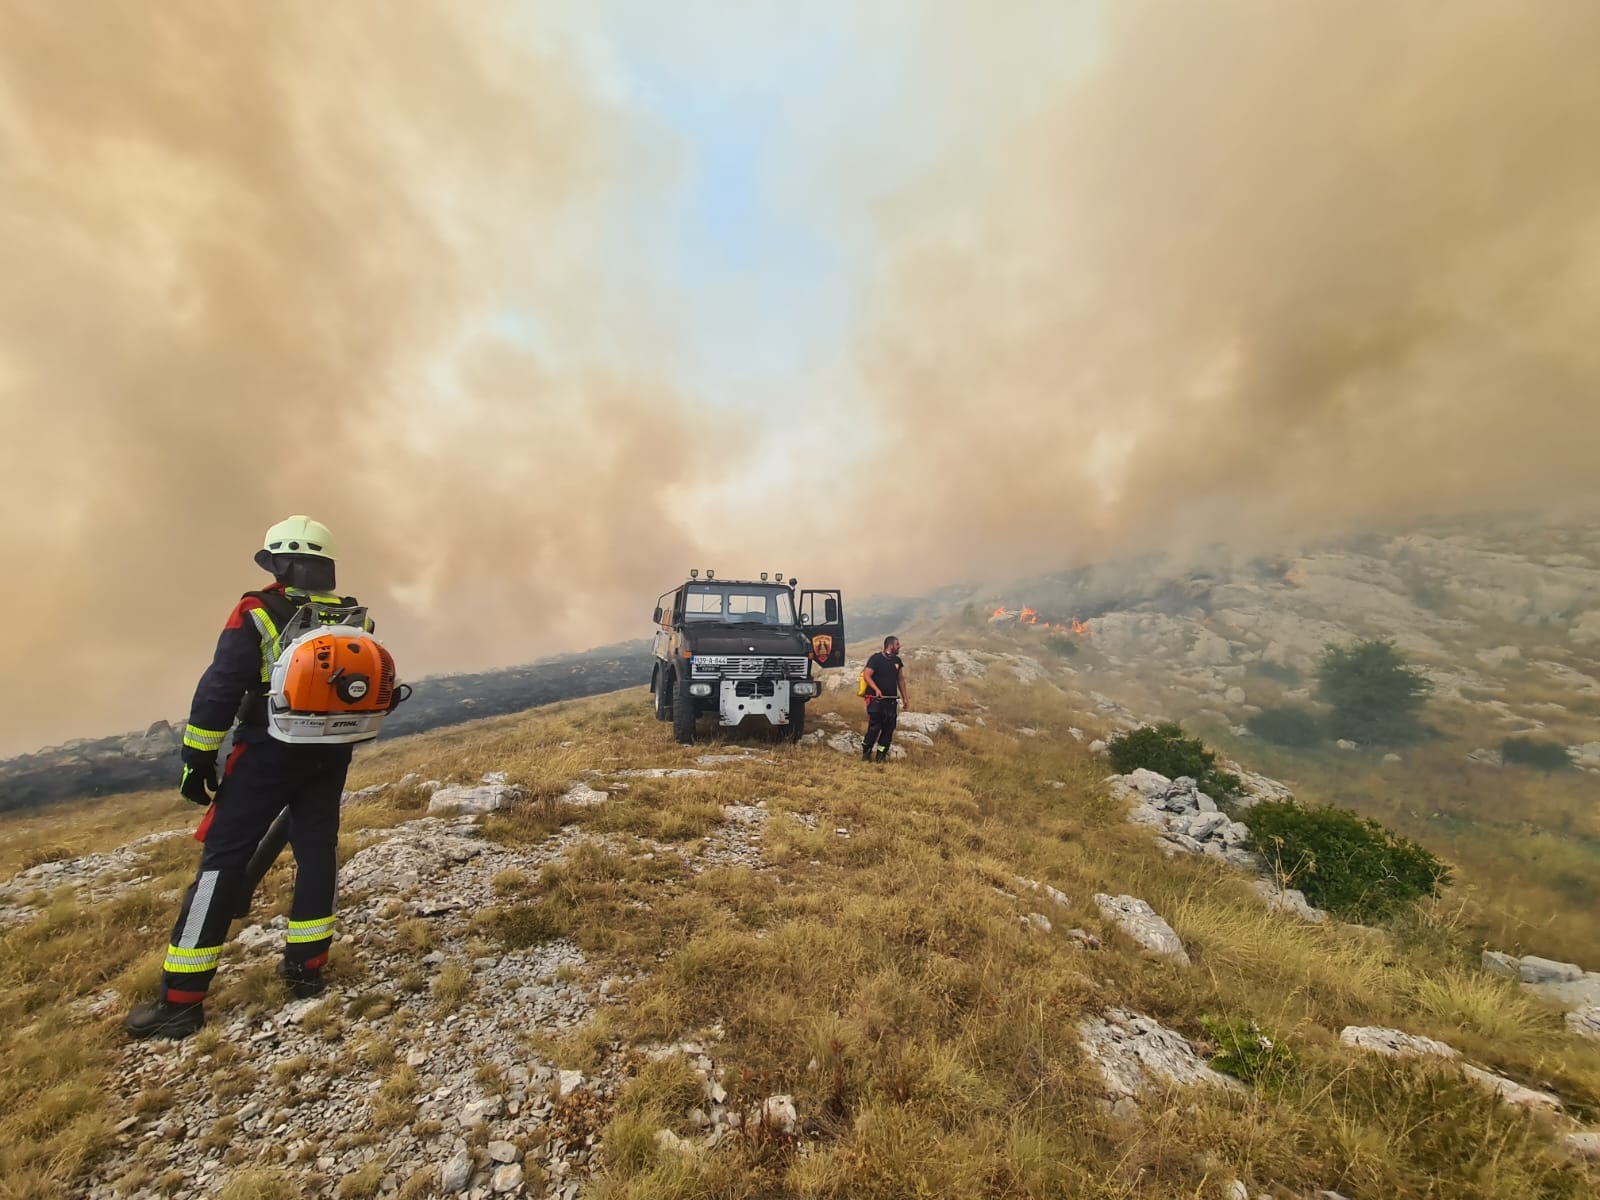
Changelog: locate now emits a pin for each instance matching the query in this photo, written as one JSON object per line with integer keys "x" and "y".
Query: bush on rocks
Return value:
{"x": 1375, "y": 696}
{"x": 1350, "y": 865}
{"x": 1530, "y": 752}
{"x": 1297, "y": 728}
{"x": 1163, "y": 749}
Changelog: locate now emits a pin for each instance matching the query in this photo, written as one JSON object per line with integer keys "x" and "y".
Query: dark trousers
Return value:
{"x": 261, "y": 779}
{"x": 881, "y": 716}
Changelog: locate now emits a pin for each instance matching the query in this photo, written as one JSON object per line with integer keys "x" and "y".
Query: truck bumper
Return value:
{"x": 733, "y": 708}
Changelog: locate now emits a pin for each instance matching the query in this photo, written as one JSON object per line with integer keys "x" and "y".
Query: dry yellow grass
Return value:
{"x": 885, "y": 979}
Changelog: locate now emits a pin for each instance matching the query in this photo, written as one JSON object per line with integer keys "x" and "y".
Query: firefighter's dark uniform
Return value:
{"x": 262, "y": 777}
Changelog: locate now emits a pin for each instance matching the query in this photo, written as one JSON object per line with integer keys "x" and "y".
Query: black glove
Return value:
{"x": 199, "y": 774}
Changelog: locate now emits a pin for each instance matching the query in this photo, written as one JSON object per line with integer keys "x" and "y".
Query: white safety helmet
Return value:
{"x": 296, "y": 537}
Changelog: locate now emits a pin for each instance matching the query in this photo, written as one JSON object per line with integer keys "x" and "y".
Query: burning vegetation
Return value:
{"x": 1030, "y": 617}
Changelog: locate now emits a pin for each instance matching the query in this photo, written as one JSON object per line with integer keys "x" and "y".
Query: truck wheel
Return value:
{"x": 683, "y": 713}
{"x": 796, "y": 728}
{"x": 662, "y": 698}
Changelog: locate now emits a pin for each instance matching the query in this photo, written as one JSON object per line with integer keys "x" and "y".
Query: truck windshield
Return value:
{"x": 733, "y": 604}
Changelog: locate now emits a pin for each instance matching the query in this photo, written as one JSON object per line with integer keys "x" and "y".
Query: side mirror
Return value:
{"x": 657, "y": 617}
{"x": 830, "y": 611}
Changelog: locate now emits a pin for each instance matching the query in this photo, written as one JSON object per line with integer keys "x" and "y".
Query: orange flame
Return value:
{"x": 1028, "y": 615}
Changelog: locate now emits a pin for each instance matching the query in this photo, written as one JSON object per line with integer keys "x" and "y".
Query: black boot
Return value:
{"x": 866, "y": 753}
{"x": 883, "y": 754}
{"x": 301, "y": 982}
{"x": 164, "y": 1020}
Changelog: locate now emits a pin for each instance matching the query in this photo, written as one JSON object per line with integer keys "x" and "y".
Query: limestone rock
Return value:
{"x": 850, "y": 743}
{"x": 1056, "y": 895}
{"x": 778, "y": 1112}
{"x": 488, "y": 798}
{"x": 1143, "y": 924}
{"x": 1393, "y": 1042}
{"x": 1500, "y": 964}
{"x": 1512, "y": 1092}
{"x": 664, "y": 773}
{"x": 581, "y": 795}
{"x": 454, "y": 1175}
{"x": 1584, "y": 1146}
{"x": 507, "y": 1178}
{"x": 1258, "y": 788}
{"x": 930, "y": 723}
{"x": 674, "y": 1144}
{"x": 1134, "y": 1052}
{"x": 1585, "y": 1022}
{"x": 1289, "y": 900}
{"x": 1543, "y": 970}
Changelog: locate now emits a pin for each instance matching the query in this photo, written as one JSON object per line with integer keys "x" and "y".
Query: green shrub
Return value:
{"x": 1350, "y": 865}
{"x": 1375, "y": 696}
{"x": 1248, "y": 1052}
{"x": 1282, "y": 672}
{"x": 1163, "y": 748}
{"x": 1530, "y": 752}
{"x": 1062, "y": 645}
{"x": 1295, "y": 727}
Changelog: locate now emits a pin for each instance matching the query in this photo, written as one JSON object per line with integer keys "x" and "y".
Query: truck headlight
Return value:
{"x": 699, "y": 689}
{"x": 803, "y": 687}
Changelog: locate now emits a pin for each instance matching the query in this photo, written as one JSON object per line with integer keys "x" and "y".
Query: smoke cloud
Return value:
{"x": 338, "y": 259}
{"x": 1231, "y": 272}
{"x": 1256, "y": 271}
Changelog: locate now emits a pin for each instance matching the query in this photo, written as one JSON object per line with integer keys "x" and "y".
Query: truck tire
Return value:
{"x": 662, "y": 697}
{"x": 682, "y": 712}
{"x": 796, "y": 728}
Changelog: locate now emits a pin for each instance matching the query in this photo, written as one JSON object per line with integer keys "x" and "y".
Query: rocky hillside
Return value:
{"x": 576, "y": 959}
{"x": 134, "y": 761}
{"x": 1504, "y": 614}
{"x": 1502, "y": 617}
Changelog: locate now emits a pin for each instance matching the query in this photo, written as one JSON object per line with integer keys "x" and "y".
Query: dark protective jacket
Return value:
{"x": 234, "y": 686}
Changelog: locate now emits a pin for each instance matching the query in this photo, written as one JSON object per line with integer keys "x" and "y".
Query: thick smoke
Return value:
{"x": 1234, "y": 272}
{"x": 1259, "y": 271}
{"x": 295, "y": 257}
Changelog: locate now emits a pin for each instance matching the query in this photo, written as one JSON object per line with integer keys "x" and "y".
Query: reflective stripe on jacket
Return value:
{"x": 234, "y": 686}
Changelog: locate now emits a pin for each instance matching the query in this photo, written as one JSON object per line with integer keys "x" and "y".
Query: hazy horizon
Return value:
{"x": 539, "y": 304}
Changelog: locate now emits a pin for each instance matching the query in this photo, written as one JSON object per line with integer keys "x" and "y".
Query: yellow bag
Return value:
{"x": 861, "y": 683}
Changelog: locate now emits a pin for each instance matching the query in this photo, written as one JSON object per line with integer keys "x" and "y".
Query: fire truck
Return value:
{"x": 743, "y": 650}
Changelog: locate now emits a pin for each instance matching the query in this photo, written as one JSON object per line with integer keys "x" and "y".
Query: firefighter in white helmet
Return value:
{"x": 261, "y": 778}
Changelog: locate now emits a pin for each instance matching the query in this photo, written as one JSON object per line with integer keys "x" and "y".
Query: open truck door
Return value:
{"x": 822, "y": 620}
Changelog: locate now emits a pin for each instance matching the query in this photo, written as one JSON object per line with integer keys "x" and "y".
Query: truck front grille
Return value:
{"x": 788, "y": 667}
